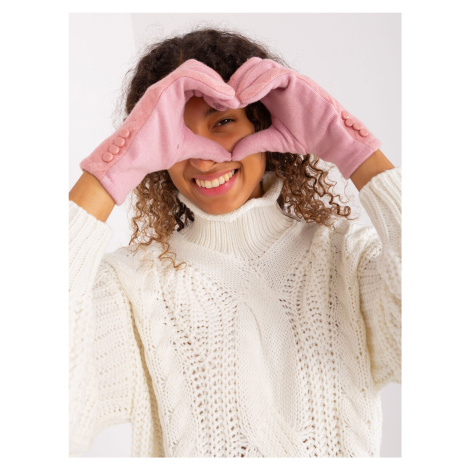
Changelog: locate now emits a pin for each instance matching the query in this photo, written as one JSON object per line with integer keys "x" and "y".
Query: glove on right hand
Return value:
{"x": 154, "y": 136}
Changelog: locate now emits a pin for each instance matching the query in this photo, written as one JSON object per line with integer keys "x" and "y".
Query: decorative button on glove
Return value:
{"x": 154, "y": 136}
{"x": 305, "y": 118}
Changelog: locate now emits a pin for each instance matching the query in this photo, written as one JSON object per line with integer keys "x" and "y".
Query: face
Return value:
{"x": 226, "y": 128}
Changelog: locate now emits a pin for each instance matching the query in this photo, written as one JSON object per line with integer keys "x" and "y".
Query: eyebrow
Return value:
{"x": 210, "y": 111}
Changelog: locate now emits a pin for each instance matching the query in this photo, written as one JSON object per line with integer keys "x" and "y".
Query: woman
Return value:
{"x": 275, "y": 331}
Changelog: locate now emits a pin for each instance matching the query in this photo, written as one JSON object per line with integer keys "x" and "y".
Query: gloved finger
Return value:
{"x": 258, "y": 70}
{"x": 276, "y": 138}
{"x": 221, "y": 105}
{"x": 193, "y": 64}
{"x": 196, "y": 77}
{"x": 204, "y": 85}
{"x": 196, "y": 146}
{"x": 217, "y": 104}
{"x": 237, "y": 77}
{"x": 199, "y": 71}
{"x": 272, "y": 79}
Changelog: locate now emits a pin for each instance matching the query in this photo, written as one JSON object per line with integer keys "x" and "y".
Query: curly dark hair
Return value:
{"x": 306, "y": 190}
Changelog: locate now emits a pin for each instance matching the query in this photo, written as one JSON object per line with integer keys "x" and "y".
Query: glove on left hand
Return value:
{"x": 305, "y": 118}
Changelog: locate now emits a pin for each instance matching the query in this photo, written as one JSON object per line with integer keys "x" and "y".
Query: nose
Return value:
{"x": 204, "y": 166}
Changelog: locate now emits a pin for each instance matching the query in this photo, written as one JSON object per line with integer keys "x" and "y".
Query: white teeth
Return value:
{"x": 215, "y": 182}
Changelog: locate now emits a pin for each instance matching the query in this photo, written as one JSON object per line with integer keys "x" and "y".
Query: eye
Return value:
{"x": 224, "y": 121}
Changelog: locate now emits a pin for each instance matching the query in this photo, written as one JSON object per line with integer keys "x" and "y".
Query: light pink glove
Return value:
{"x": 305, "y": 118}
{"x": 154, "y": 136}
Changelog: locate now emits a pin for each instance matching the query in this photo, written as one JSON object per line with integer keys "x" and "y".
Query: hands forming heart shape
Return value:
{"x": 305, "y": 120}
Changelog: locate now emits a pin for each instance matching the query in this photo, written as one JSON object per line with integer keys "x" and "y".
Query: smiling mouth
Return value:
{"x": 216, "y": 182}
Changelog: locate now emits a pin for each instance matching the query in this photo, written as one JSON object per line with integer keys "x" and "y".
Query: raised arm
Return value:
{"x": 89, "y": 194}
{"x": 375, "y": 164}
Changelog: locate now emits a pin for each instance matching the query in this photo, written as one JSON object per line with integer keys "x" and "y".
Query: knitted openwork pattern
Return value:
{"x": 274, "y": 341}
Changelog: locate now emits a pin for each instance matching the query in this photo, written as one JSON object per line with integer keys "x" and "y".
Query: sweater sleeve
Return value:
{"x": 105, "y": 359}
{"x": 379, "y": 276}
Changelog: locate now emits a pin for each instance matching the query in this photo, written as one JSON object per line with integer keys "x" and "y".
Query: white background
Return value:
{"x": 334, "y": 49}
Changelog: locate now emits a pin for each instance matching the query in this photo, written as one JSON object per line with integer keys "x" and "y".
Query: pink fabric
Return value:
{"x": 305, "y": 118}
{"x": 155, "y": 135}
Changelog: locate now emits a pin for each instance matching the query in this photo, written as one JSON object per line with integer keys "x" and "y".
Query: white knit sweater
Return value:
{"x": 274, "y": 341}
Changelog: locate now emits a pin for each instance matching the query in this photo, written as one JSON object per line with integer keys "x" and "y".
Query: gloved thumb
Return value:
{"x": 276, "y": 138}
{"x": 196, "y": 146}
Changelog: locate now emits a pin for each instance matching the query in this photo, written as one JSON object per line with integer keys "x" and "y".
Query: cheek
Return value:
{"x": 260, "y": 158}
{"x": 254, "y": 166}
{"x": 176, "y": 173}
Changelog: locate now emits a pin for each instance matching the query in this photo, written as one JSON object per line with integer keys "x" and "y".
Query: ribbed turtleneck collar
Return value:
{"x": 248, "y": 231}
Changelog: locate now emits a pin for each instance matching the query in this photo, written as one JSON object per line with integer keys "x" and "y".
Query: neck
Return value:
{"x": 245, "y": 232}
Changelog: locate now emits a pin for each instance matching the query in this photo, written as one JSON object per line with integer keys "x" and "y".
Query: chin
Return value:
{"x": 223, "y": 209}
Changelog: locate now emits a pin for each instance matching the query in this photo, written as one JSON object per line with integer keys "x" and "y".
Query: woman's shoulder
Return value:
{"x": 352, "y": 229}
{"x": 347, "y": 236}
{"x": 134, "y": 258}
{"x": 354, "y": 239}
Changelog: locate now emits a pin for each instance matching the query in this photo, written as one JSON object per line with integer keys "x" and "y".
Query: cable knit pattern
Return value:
{"x": 274, "y": 341}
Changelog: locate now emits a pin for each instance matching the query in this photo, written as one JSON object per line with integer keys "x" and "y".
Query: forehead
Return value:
{"x": 196, "y": 105}
{"x": 197, "y": 108}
